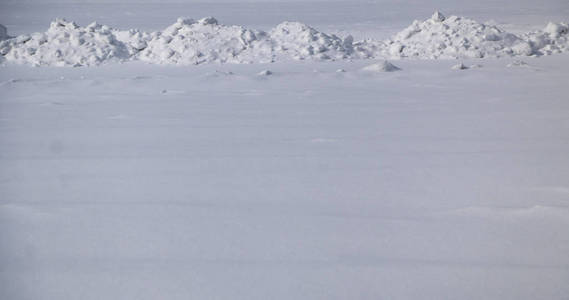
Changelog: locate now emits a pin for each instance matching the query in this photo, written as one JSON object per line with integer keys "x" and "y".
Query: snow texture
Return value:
{"x": 204, "y": 41}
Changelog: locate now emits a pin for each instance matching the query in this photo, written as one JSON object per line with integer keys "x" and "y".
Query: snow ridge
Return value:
{"x": 206, "y": 41}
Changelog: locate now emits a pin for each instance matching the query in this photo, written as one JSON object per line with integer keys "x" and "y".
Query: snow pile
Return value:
{"x": 554, "y": 38}
{"x": 134, "y": 40}
{"x": 65, "y": 44}
{"x": 517, "y": 63}
{"x": 453, "y": 37}
{"x": 299, "y": 41}
{"x": 194, "y": 42}
{"x": 191, "y": 42}
{"x": 205, "y": 41}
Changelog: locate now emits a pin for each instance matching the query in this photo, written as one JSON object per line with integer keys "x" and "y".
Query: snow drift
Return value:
{"x": 205, "y": 41}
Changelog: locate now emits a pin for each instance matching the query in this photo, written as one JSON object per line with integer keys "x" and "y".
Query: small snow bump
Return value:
{"x": 265, "y": 73}
{"x": 460, "y": 66}
{"x": 384, "y": 66}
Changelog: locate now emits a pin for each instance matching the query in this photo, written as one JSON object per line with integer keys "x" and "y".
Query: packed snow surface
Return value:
{"x": 194, "y": 42}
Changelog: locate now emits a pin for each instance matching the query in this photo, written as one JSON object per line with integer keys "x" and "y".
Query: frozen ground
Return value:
{"x": 316, "y": 180}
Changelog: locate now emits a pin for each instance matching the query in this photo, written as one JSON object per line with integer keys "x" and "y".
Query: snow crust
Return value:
{"x": 205, "y": 41}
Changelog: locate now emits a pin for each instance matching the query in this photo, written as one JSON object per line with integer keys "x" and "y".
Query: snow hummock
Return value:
{"x": 206, "y": 40}
{"x": 300, "y": 41}
{"x": 383, "y": 66}
{"x": 265, "y": 73}
{"x": 459, "y": 66}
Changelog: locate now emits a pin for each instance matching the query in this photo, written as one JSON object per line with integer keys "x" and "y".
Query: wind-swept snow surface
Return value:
{"x": 195, "y": 42}
{"x": 224, "y": 182}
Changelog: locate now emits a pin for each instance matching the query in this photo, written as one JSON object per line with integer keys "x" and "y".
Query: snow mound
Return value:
{"x": 454, "y": 37}
{"x": 265, "y": 73}
{"x": 383, "y": 66}
{"x": 554, "y": 38}
{"x": 65, "y": 44}
{"x": 459, "y": 66}
{"x": 299, "y": 41}
{"x": 194, "y": 42}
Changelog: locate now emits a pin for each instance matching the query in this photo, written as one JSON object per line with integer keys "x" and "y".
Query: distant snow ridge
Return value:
{"x": 205, "y": 41}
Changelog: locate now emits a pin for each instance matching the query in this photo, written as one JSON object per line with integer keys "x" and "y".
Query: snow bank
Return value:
{"x": 205, "y": 41}
{"x": 299, "y": 41}
{"x": 194, "y": 42}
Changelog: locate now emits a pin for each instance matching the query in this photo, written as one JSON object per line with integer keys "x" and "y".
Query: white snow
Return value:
{"x": 460, "y": 66}
{"x": 383, "y": 66}
{"x": 299, "y": 41}
{"x": 65, "y": 43}
{"x": 203, "y": 41}
{"x": 195, "y": 42}
{"x": 554, "y": 38}
{"x": 456, "y": 37}
{"x": 317, "y": 176}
